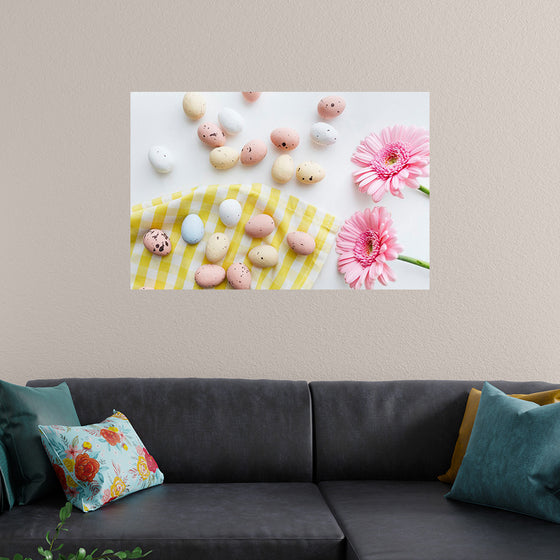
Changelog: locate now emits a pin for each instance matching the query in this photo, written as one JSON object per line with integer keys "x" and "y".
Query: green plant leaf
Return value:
{"x": 58, "y": 547}
{"x": 18, "y": 557}
{"x": 104, "y": 553}
{"x": 121, "y": 555}
{"x": 81, "y": 554}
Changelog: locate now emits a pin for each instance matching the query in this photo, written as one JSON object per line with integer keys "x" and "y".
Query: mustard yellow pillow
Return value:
{"x": 541, "y": 398}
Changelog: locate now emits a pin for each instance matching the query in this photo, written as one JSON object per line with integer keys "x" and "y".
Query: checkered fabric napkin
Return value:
{"x": 176, "y": 271}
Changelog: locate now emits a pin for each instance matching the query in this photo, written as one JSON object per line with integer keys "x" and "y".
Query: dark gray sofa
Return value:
{"x": 285, "y": 470}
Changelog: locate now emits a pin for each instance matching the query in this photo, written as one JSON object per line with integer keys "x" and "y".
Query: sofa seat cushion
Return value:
{"x": 412, "y": 520}
{"x": 192, "y": 521}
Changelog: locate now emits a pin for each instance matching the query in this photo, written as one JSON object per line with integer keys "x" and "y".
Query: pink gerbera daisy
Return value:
{"x": 365, "y": 243}
{"x": 398, "y": 156}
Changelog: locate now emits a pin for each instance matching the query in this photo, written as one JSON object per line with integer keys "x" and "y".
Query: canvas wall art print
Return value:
{"x": 279, "y": 190}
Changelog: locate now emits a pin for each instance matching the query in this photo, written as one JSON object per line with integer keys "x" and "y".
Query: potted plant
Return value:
{"x": 53, "y": 553}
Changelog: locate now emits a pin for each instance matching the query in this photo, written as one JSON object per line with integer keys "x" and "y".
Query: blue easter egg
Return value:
{"x": 192, "y": 229}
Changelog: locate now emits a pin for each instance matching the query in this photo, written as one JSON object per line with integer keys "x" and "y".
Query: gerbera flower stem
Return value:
{"x": 411, "y": 260}
{"x": 424, "y": 190}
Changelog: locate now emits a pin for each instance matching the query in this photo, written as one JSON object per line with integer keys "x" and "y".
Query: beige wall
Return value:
{"x": 493, "y": 72}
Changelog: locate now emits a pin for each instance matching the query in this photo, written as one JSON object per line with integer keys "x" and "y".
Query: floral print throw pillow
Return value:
{"x": 99, "y": 463}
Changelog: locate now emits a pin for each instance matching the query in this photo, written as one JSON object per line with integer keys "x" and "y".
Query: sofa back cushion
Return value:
{"x": 394, "y": 430}
{"x": 209, "y": 430}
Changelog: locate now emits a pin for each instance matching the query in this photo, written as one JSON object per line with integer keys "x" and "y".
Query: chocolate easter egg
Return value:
{"x": 285, "y": 138}
{"x": 239, "y": 276}
{"x": 260, "y": 226}
{"x": 157, "y": 242}
{"x": 301, "y": 242}
{"x": 209, "y": 275}
{"x": 211, "y": 134}
{"x": 331, "y": 106}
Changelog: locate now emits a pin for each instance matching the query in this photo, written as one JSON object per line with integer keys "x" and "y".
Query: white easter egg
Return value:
{"x": 230, "y": 121}
{"x": 230, "y": 212}
{"x": 161, "y": 159}
{"x": 323, "y": 133}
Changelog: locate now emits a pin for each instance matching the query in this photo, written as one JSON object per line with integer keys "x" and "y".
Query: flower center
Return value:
{"x": 390, "y": 160}
{"x": 366, "y": 248}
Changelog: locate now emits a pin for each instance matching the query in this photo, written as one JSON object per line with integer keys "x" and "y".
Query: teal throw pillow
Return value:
{"x": 513, "y": 457}
{"x": 100, "y": 463}
{"x": 21, "y": 410}
{"x": 7, "y": 498}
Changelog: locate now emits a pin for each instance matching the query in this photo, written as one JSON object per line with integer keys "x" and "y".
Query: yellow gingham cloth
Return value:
{"x": 176, "y": 271}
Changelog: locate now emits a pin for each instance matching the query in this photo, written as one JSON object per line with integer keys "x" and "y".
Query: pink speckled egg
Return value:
{"x": 253, "y": 152}
{"x": 239, "y": 276}
{"x": 212, "y": 135}
{"x": 301, "y": 242}
{"x": 209, "y": 275}
{"x": 260, "y": 226}
{"x": 251, "y": 96}
{"x": 157, "y": 242}
{"x": 331, "y": 106}
{"x": 285, "y": 138}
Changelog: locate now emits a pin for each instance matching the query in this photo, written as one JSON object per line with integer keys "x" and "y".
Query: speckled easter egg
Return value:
{"x": 285, "y": 138}
{"x": 161, "y": 159}
{"x": 251, "y": 96}
{"x": 331, "y": 106}
{"x": 301, "y": 242}
{"x": 239, "y": 276}
{"x": 231, "y": 121}
{"x": 253, "y": 152}
{"x": 323, "y": 134}
{"x": 260, "y": 226}
{"x": 310, "y": 172}
{"x": 209, "y": 275}
{"x": 217, "y": 247}
{"x": 224, "y": 157}
{"x": 192, "y": 229}
{"x": 264, "y": 256}
{"x": 230, "y": 212}
{"x": 283, "y": 169}
{"x": 211, "y": 134}
{"x": 194, "y": 105}
{"x": 157, "y": 242}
